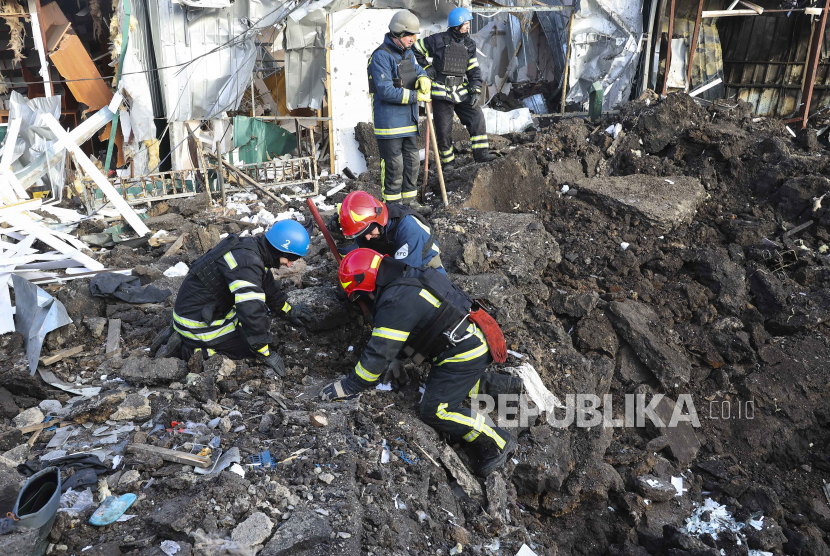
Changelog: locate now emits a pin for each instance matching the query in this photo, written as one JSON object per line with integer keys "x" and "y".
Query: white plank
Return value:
{"x": 51, "y": 265}
{"x": 6, "y": 245}
{"x": 45, "y": 235}
{"x": 81, "y": 134}
{"x": 41, "y": 48}
{"x": 17, "y": 208}
{"x": 100, "y": 180}
{"x": 12, "y": 180}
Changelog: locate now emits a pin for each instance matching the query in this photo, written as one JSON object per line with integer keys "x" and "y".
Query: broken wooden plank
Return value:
{"x": 62, "y": 354}
{"x": 252, "y": 182}
{"x": 41, "y": 426}
{"x": 113, "y": 335}
{"x": 55, "y": 34}
{"x": 797, "y": 229}
{"x": 727, "y": 13}
{"x": 173, "y": 249}
{"x": 237, "y": 222}
{"x": 170, "y": 455}
{"x": 100, "y": 180}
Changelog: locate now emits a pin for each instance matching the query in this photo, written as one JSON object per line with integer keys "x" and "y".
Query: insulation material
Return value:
{"x": 34, "y": 137}
{"x": 208, "y": 55}
{"x": 605, "y": 46}
{"x": 16, "y": 30}
{"x": 98, "y": 26}
{"x": 351, "y": 47}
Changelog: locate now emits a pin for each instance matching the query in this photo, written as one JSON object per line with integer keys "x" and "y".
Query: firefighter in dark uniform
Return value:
{"x": 223, "y": 304}
{"x": 421, "y": 314}
{"x": 390, "y": 229}
{"x": 456, "y": 85}
{"x": 396, "y": 84}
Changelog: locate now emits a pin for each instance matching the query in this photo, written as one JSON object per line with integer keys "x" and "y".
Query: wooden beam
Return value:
{"x": 693, "y": 47}
{"x": 113, "y": 336}
{"x": 812, "y": 64}
{"x": 62, "y": 354}
{"x": 668, "y": 49}
{"x": 727, "y": 13}
{"x": 170, "y": 455}
{"x": 567, "y": 65}
{"x": 173, "y": 249}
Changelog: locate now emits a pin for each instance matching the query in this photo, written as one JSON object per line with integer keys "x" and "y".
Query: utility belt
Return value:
{"x": 453, "y": 81}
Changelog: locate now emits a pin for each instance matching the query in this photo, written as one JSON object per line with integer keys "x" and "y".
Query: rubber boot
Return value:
{"x": 494, "y": 384}
{"x": 490, "y": 457}
{"x": 419, "y": 208}
{"x": 483, "y": 155}
{"x": 448, "y": 166}
{"x": 37, "y": 506}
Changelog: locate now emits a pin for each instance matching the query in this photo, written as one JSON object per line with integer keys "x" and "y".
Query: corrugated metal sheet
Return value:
{"x": 142, "y": 38}
{"x": 764, "y": 62}
{"x": 708, "y": 61}
{"x": 207, "y": 55}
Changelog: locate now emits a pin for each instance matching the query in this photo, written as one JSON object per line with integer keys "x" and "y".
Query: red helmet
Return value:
{"x": 359, "y": 271}
{"x": 359, "y": 211}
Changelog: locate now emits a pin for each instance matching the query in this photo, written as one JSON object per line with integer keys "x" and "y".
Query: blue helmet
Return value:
{"x": 289, "y": 236}
{"x": 458, "y": 16}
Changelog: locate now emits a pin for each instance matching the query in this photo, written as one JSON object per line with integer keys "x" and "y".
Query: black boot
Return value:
{"x": 447, "y": 166}
{"x": 494, "y": 384}
{"x": 483, "y": 155}
{"x": 490, "y": 457}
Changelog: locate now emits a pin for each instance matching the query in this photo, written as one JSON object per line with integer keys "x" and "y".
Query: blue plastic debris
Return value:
{"x": 263, "y": 459}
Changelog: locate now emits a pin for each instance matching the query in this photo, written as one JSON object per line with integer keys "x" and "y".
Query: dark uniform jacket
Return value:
{"x": 205, "y": 316}
{"x": 402, "y": 311}
{"x": 433, "y": 46}
{"x": 394, "y": 109}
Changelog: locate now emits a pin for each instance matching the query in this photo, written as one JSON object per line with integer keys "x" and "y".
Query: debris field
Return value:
{"x": 674, "y": 251}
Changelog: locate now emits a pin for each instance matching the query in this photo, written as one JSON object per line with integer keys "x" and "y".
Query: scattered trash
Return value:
{"x": 75, "y": 502}
{"x": 170, "y": 547}
{"x": 624, "y": 245}
{"x": 38, "y": 313}
{"x": 177, "y": 270}
{"x": 525, "y": 551}
{"x": 536, "y": 390}
{"x": 111, "y": 509}
{"x": 236, "y": 468}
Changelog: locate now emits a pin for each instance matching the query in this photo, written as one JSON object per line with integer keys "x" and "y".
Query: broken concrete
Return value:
{"x": 653, "y": 199}
{"x": 143, "y": 370}
{"x": 641, "y": 328}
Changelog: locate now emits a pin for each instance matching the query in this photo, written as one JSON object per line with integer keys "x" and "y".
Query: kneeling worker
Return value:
{"x": 391, "y": 229}
{"x": 224, "y": 302}
{"x": 421, "y": 314}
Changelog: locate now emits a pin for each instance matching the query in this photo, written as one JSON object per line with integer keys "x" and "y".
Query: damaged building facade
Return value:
{"x": 653, "y": 239}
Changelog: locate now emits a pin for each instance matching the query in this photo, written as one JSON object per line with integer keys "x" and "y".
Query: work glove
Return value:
{"x": 345, "y": 389}
{"x": 424, "y": 87}
{"x": 475, "y": 93}
{"x": 431, "y": 72}
{"x": 297, "y": 314}
{"x": 274, "y": 361}
{"x": 395, "y": 371}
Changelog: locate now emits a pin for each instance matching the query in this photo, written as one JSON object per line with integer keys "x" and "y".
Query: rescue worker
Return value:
{"x": 456, "y": 86}
{"x": 390, "y": 229}
{"x": 396, "y": 84}
{"x": 421, "y": 314}
{"x": 224, "y": 302}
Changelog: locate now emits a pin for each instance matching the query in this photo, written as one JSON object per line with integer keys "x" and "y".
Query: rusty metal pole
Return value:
{"x": 812, "y": 65}
{"x": 693, "y": 47}
{"x": 668, "y": 50}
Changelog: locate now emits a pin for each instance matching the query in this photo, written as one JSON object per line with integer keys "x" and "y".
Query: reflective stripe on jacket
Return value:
{"x": 394, "y": 110}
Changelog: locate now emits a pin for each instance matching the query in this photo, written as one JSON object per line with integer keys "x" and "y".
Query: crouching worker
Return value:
{"x": 390, "y": 229}
{"x": 419, "y": 313}
{"x": 227, "y": 299}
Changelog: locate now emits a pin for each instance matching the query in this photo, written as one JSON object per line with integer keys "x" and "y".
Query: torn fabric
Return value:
{"x": 37, "y": 313}
{"x": 125, "y": 288}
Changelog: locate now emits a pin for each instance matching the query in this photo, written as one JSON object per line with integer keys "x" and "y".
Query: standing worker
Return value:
{"x": 456, "y": 85}
{"x": 224, "y": 302}
{"x": 396, "y": 84}
{"x": 392, "y": 229}
{"x": 421, "y": 314}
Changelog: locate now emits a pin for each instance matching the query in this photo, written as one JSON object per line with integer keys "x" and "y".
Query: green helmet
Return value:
{"x": 404, "y": 23}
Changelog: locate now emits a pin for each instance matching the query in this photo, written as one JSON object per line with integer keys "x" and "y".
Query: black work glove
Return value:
{"x": 297, "y": 314}
{"x": 345, "y": 389}
{"x": 274, "y": 361}
{"x": 475, "y": 93}
{"x": 333, "y": 226}
{"x": 309, "y": 226}
{"x": 395, "y": 371}
{"x": 432, "y": 73}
